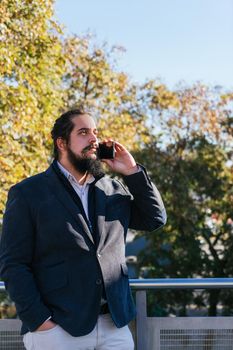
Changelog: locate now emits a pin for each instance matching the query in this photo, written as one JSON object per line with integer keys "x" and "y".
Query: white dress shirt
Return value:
{"x": 81, "y": 190}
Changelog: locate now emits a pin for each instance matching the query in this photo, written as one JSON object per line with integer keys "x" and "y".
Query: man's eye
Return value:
{"x": 83, "y": 132}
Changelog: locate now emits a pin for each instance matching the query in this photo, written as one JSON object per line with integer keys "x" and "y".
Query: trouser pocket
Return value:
{"x": 43, "y": 340}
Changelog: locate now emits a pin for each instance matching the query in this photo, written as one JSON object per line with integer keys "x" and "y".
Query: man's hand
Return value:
{"x": 123, "y": 162}
{"x": 46, "y": 326}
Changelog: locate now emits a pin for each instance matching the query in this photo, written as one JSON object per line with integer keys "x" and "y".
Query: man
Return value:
{"x": 62, "y": 251}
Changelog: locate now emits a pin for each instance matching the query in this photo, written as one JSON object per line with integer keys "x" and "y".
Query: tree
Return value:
{"x": 93, "y": 80}
{"x": 31, "y": 69}
{"x": 193, "y": 168}
{"x": 43, "y": 73}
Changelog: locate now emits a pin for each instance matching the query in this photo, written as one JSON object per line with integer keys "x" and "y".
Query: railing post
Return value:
{"x": 141, "y": 320}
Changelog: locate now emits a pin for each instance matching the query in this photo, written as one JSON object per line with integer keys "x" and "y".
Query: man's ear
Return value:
{"x": 61, "y": 144}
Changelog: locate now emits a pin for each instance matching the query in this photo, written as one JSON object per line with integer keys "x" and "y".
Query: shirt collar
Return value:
{"x": 90, "y": 178}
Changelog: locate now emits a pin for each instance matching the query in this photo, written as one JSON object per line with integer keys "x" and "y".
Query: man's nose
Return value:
{"x": 93, "y": 138}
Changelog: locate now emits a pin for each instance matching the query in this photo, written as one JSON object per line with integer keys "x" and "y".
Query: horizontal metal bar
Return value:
{"x": 181, "y": 283}
{"x": 175, "y": 283}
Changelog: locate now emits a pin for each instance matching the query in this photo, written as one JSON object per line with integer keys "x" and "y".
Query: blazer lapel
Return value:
{"x": 66, "y": 200}
{"x": 100, "y": 207}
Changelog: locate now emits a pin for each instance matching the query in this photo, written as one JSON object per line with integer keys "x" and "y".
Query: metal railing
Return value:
{"x": 159, "y": 333}
{"x": 182, "y": 283}
{"x": 174, "y": 283}
{"x": 181, "y": 333}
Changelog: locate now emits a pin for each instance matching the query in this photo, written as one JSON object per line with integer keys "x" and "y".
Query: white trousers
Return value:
{"x": 105, "y": 336}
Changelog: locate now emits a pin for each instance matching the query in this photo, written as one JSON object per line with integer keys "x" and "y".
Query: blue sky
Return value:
{"x": 174, "y": 40}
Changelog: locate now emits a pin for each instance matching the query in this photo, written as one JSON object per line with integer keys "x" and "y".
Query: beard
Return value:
{"x": 83, "y": 165}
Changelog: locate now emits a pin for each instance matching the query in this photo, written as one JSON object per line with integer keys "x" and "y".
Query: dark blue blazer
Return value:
{"x": 49, "y": 261}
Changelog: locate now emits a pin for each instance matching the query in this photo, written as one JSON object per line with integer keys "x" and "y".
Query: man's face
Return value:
{"x": 83, "y": 138}
{"x": 81, "y": 150}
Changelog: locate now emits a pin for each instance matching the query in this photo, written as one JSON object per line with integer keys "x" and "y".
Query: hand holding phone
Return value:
{"x": 117, "y": 158}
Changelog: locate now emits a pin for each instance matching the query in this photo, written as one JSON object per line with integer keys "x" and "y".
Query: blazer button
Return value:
{"x": 98, "y": 281}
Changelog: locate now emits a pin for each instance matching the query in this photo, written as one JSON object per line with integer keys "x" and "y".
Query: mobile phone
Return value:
{"x": 106, "y": 150}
